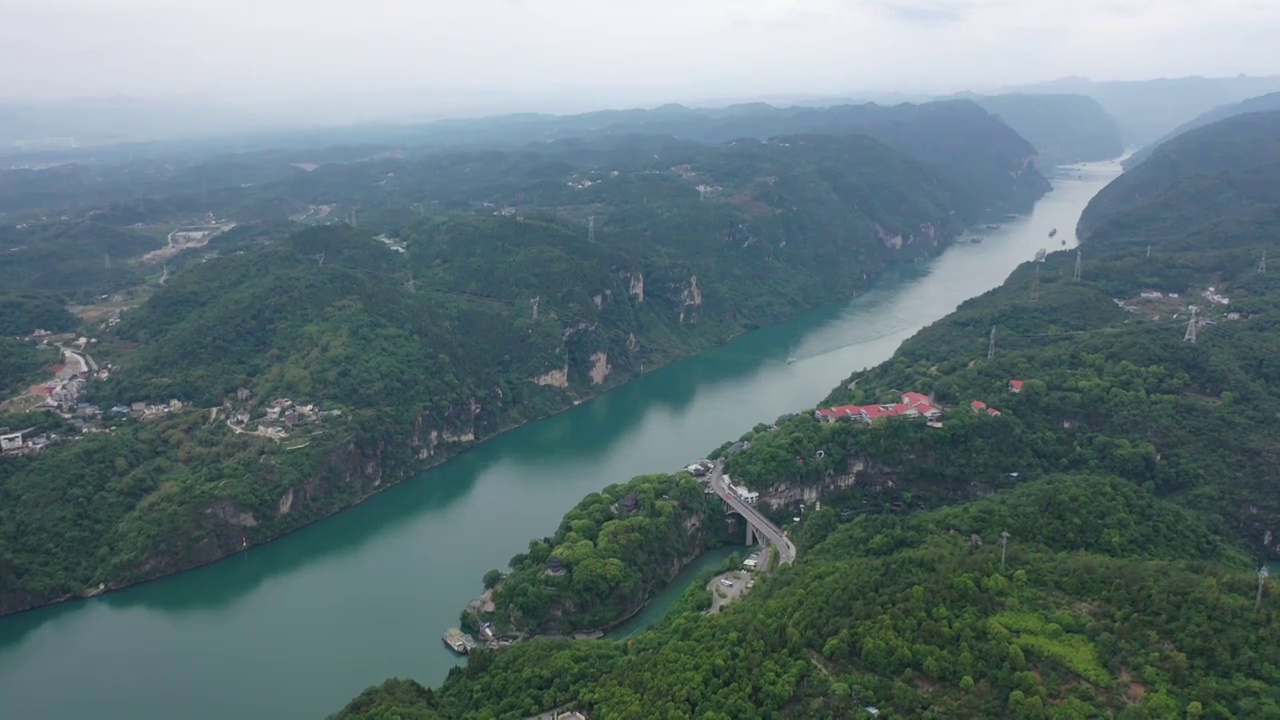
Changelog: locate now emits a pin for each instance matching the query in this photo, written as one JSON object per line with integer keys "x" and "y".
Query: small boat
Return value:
{"x": 1064, "y": 242}
{"x": 1053, "y": 232}
{"x": 976, "y": 239}
{"x": 458, "y": 641}
{"x": 791, "y": 360}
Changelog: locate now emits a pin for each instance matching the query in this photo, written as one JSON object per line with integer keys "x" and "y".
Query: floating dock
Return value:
{"x": 458, "y": 641}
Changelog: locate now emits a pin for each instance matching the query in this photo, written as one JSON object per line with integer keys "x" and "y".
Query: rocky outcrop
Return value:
{"x": 891, "y": 241}
{"x": 636, "y": 286}
{"x": 784, "y": 495}
{"x": 600, "y": 368}
{"x": 463, "y": 437}
{"x": 558, "y": 378}
{"x": 285, "y": 504}
{"x": 690, "y": 300}
{"x": 231, "y": 513}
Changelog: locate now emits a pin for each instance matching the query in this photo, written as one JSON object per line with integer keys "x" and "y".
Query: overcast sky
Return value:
{"x": 605, "y": 52}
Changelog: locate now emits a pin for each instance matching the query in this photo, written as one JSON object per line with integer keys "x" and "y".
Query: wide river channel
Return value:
{"x": 296, "y": 628}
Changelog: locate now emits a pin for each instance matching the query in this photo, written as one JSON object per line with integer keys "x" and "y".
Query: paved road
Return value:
{"x": 731, "y": 593}
{"x": 761, "y": 524}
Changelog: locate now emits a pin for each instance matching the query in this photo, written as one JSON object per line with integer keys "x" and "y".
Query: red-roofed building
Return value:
{"x": 1015, "y": 386}
{"x": 913, "y": 405}
{"x": 978, "y": 405}
{"x": 993, "y": 412}
{"x": 929, "y": 411}
{"x": 915, "y": 399}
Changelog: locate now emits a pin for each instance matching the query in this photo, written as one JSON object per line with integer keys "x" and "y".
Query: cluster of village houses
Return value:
{"x": 277, "y": 418}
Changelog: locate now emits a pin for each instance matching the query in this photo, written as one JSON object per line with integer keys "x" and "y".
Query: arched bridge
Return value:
{"x": 758, "y": 526}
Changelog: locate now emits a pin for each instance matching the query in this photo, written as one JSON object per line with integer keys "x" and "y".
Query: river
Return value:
{"x": 295, "y": 628}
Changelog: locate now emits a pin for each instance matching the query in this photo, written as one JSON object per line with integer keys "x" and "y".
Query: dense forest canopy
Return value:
{"x": 24, "y": 313}
{"x": 399, "y": 348}
{"x": 1133, "y": 471}
{"x": 1205, "y": 160}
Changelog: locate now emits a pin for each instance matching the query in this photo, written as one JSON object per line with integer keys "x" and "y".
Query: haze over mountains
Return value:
{"x": 1143, "y": 110}
{"x": 260, "y": 262}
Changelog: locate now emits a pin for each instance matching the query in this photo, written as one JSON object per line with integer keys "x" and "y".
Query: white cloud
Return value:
{"x": 605, "y": 51}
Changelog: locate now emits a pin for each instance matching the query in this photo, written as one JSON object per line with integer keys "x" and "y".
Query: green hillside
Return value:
{"x": 1133, "y": 470}
{"x": 315, "y": 370}
{"x": 1230, "y": 161}
{"x": 1262, "y": 103}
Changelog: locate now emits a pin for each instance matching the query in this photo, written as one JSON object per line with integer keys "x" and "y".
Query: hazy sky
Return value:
{"x": 602, "y": 52}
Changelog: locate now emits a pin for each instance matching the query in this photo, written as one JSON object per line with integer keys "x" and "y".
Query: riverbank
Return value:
{"x": 385, "y": 577}
{"x": 349, "y": 465}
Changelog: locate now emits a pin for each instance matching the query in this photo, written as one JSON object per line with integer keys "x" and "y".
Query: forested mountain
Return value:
{"x": 974, "y": 152}
{"x": 1133, "y": 471}
{"x": 1227, "y": 158}
{"x": 1063, "y": 128}
{"x": 1149, "y": 109}
{"x": 1263, "y": 103}
{"x": 24, "y": 313}
{"x": 404, "y": 349}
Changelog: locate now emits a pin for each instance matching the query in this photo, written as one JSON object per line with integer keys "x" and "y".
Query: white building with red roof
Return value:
{"x": 913, "y": 405}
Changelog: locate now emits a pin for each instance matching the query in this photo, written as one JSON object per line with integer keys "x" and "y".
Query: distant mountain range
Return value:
{"x": 1149, "y": 109}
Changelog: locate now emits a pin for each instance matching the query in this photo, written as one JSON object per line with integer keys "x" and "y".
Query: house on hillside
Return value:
{"x": 750, "y": 497}
{"x": 1015, "y": 386}
{"x": 913, "y": 405}
{"x": 10, "y": 442}
{"x": 979, "y": 407}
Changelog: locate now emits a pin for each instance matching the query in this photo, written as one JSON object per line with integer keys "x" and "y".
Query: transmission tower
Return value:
{"x": 991, "y": 346}
{"x": 1004, "y": 546}
{"x": 591, "y": 229}
{"x": 534, "y": 302}
{"x": 412, "y": 290}
{"x": 319, "y": 259}
{"x": 1190, "y": 336}
{"x": 1076, "y": 278}
{"x": 1262, "y": 264}
{"x": 353, "y": 218}
{"x": 1262, "y": 579}
{"x": 1035, "y": 286}
{"x": 1148, "y": 252}
{"x": 106, "y": 260}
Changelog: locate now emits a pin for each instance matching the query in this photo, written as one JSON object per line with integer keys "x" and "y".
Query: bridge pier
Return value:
{"x": 751, "y": 534}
